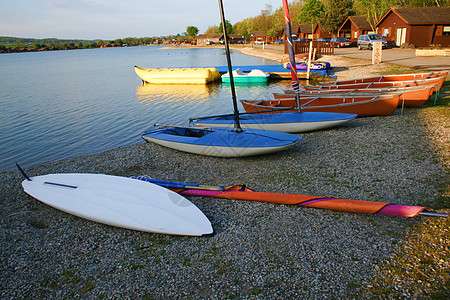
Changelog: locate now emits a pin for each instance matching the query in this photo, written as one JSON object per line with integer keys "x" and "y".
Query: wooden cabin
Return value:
{"x": 303, "y": 31}
{"x": 320, "y": 32}
{"x": 258, "y": 37}
{"x": 208, "y": 39}
{"x": 419, "y": 26}
{"x": 353, "y": 27}
{"x": 236, "y": 39}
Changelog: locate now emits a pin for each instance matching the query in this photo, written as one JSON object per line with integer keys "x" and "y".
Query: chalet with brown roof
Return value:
{"x": 258, "y": 36}
{"x": 420, "y": 26}
{"x": 207, "y": 39}
{"x": 302, "y": 31}
{"x": 261, "y": 36}
{"x": 353, "y": 27}
{"x": 320, "y": 32}
{"x": 236, "y": 39}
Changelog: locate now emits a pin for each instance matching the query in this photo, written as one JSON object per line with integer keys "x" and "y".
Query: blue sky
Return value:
{"x": 111, "y": 19}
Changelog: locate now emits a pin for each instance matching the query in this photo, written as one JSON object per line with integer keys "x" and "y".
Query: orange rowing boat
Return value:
{"x": 391, "y": 78}
{"x": 364, "y": 106}
{"x": 412, "y": 96}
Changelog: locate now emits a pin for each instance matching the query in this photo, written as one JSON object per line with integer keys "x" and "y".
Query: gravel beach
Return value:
{"x": 259, "y": 250}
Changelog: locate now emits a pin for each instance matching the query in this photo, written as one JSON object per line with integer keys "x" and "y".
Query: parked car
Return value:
{"x": 259, "y": 41}
{"x": 297, "y": 39}
{"x": 341, "y": 42}
{"x": 366, "y": 41}
{"x": 324, "y": 39}
{"x": 280, "y": 41}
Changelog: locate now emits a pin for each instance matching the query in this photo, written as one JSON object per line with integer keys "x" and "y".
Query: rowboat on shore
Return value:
{"x": 391, "y": 78}
{"x": 412, "y": 96}
{"x": 435, "y": 82}
{"x": 363, "y": 106}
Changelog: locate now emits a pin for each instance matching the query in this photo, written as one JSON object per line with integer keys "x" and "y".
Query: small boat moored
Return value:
{"x": 177, "y": 75}
{"x": 254, "y": 76}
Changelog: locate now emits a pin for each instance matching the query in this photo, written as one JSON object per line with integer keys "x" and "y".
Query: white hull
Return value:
{"x": 218, "y": 151}
{"x": 120, "y": 201}
{"x": 281, "y": 127}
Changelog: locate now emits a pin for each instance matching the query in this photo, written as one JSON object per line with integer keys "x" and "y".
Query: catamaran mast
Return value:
{"x": 237, "y": 125}
{"x": 290, "y": 46}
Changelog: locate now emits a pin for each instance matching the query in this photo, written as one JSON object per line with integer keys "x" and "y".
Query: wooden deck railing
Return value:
{"x": 322, "y": 48}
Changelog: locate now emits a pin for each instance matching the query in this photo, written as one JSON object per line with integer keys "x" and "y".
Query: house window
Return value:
{"x": 446, "y": 30}
{"x": 355, "y": 34}
{"x": 386, "y": 32}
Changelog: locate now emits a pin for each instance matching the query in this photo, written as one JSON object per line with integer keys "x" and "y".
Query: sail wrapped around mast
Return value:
{"x": 290, "y": 46}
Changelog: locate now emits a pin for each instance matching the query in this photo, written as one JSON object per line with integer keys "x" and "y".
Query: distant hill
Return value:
{"x": 10, "y": 41}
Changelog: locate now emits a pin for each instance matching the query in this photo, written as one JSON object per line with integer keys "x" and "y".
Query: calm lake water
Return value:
{"x": 61, "y": 104}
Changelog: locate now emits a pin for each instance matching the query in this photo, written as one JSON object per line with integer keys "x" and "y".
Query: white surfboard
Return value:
{"x": 121, "y": 202}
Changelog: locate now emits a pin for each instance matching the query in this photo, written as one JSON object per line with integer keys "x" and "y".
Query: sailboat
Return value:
{"x": 290, "y": 122}
{"x": 222, "y": 142}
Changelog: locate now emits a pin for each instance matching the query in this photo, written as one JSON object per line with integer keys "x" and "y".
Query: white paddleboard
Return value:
{"x": 121, "y": 202}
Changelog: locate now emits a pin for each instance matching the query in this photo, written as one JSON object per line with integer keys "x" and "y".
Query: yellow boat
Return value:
{"x": 178, "y": 75}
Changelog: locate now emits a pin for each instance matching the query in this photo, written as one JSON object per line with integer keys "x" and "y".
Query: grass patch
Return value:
{"x": 390, "y": 69}
{"x": 420, "y": 267}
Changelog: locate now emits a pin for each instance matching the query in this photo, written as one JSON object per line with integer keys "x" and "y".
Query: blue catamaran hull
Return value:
{"x": 290, "y": 122}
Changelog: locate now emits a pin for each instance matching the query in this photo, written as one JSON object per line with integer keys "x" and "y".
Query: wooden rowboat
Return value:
{"x": 391, "y": 78}
{"x": 435, "y": 82}
{"x": 412, "y": 96}
{"x": 363, "y": 106}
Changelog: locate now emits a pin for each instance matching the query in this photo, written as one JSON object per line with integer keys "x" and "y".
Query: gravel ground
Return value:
{"x": 259, "y": 250}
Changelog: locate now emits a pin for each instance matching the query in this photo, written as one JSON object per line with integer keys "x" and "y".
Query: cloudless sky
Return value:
{"x": 112, "y": 19}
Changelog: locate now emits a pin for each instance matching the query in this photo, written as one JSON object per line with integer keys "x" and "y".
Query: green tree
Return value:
{"x": 311, "y": 12}
{"x": 212, "y": 29}
{"x": 336, "y": 12}
{"x": 426, "y": 3}
{"x": 374, "y": 9}
{"x": 192, "y": 31}
{"x": 228, "y": 26}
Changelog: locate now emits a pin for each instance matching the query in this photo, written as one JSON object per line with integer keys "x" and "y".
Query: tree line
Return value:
{"x": 330, "y": 13}
{"x": 14, "y": 44}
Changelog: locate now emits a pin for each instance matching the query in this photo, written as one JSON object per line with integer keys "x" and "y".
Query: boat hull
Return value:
{"x": 119, "y": 201}
{"x": 290, "y": 122}
{"x": 391, "y": 78}
{"x": 222, "y": 142}
{"x": 254, "y": 76}
{"x": 177, "y": 75}
{"x": 411, "y": 96}
{"x": 362, "y": 106}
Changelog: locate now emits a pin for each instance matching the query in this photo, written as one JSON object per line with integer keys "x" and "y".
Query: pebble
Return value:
{"x": 259, "y": 250}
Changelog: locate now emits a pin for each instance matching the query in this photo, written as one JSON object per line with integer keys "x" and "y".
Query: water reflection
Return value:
{"x": 154, "y": 94}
